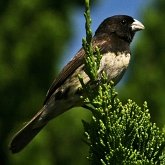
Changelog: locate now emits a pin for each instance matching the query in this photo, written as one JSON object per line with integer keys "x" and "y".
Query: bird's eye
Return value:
{"x": 123, "y": 22}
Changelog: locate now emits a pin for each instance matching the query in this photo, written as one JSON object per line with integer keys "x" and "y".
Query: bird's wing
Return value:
{"x": 72, "y": 66}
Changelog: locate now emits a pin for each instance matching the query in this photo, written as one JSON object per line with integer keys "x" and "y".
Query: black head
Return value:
{"x": 122, "y": 26}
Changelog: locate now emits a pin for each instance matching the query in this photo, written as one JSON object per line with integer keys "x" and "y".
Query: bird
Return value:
{"x": 113, "y": 38}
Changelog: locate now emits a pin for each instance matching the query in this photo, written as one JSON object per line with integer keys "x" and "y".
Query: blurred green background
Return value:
{"x": 33, "y": 36}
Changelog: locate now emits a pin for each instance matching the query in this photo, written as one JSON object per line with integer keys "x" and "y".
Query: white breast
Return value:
{"x": 114, "y": 65}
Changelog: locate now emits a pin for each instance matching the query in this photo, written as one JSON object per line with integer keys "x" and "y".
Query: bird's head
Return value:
{"x": 121, "y": 26}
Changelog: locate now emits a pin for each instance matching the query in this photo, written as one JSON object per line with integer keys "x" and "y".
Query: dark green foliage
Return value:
{"x": 33, "y": 36}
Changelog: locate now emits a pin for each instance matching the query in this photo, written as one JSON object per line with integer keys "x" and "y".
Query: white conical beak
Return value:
{"x": 137, "y": 25}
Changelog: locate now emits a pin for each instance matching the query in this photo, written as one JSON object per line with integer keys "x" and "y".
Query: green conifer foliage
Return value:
{"x": 118, "y": 133}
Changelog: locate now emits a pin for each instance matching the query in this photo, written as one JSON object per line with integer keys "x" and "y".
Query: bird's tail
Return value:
{"x": 27, "y": 133}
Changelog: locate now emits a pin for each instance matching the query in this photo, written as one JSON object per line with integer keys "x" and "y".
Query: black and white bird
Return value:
{"x": 113, "y": 38}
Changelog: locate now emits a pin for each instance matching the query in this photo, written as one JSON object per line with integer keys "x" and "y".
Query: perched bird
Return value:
{"x": 113, "y": 38}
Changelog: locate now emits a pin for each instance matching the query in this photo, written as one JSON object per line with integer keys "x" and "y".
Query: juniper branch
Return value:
{"x": 118, "y": 133}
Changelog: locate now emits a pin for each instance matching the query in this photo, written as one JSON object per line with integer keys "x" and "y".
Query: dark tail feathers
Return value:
{"x": 26, "y": 134}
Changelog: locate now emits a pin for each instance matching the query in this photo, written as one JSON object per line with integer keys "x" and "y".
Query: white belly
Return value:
{"x": 114, "y": 65}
